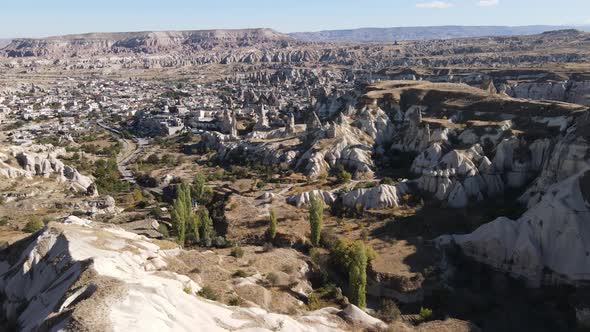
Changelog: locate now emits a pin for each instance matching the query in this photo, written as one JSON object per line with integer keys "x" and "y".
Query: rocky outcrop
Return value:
{"x": 303, "y": 199}
{"x": 79, "y": 276}
{"x": 43, "y": 161}
{"x": 379, "y": 197}
{"x": 547, "y": 245}
{"x": 571, "y": 91}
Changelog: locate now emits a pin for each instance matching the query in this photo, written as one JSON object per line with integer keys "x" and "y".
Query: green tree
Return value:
{"x": 199, "y": 188}
{"x": 353, "y": 258}
{"x": 357, "y": 274}
{"x": 205, "y": 226}
{"x": 193, "y": 228}
{"x": 182, "y": 212}
{"x": 316, "y": 217}
{"x": 272, "y": 227}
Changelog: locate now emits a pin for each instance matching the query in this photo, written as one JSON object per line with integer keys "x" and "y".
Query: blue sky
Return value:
{"x": 36, "y": 18}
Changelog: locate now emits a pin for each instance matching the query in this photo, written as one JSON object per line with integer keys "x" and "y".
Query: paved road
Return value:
{"x": 131, "y": 148}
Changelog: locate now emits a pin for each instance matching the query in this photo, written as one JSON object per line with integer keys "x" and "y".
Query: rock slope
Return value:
{"x": 41, "y": 160}
{"x": 80, "y": 276}
{"x": 549, "y": 244}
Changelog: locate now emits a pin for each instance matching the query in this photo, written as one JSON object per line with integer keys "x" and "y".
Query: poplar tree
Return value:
{"x": 357, "y": 274}
{"x": 182, "y": 212}
{"x": 272, "y": 227}
{"x": 205, "y": 226}
{"x": 316, "y": 216}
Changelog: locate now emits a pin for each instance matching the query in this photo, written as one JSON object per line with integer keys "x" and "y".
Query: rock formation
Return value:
{"x": 43, "y": 161}
{"x": 261, "y": 118}
{"x": 79, "y": 275}
{"x": 547, "y": 245}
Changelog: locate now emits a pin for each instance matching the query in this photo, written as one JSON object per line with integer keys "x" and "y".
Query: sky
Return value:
{"x": 40, "y": 18}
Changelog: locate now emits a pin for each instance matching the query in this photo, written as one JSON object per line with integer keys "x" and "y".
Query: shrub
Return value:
{"x": 220, "y": 242}
{"x": 236, "y": 301}
{"x": 237, "y": 252}
{"x": 364, "y": 234}
{"x": 343, "y": 176}
{"x": 240, "y": 274}
{"x": 389, "y": 311}
{"x": 163, "y": 229}
{"x": 387, "y": 180}
{"x": 107, "y": 177}
{"x": 167, "y": 159}
{"x": 142, "y": 204}
{"x": 137, "y": 195}
{"x": 315, "y": 256}
{"x": 425, "y": 313}
{"x": 153, "y": 159}
{"x": 313, "y": 302}
{"x": 33, "y": 225}
{"x": 156, "y": 212}
{"x": 233, "y": 206}
{"x": 3, "y": 221}
{"x": 272, "y": 278}
{"x": 268, "y": 247}
{"x": 288, "y": 269}
{"x": 208, "y": 293}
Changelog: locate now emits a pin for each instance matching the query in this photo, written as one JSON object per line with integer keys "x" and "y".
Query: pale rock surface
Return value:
{"x": 548, "y": 244}
{"x": 380, "y": 197}
{"x": 357, "y": 316}
{"x": 42, "y": 160}
{"x": 303, "y": 199}
{"x": 109, "y": 279}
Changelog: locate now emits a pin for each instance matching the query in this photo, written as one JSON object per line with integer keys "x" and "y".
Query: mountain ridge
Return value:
{"x": 392, "y": 34}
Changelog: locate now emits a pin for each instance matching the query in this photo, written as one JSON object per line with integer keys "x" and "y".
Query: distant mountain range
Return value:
{"x": 199, "y": 40}
{"x": 374, "y": 35}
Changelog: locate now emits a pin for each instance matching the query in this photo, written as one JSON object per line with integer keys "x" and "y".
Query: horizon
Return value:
{"x": 39, "y": 19}
{"x": 582, "y": 26}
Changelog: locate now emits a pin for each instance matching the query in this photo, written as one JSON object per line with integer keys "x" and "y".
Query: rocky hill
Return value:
{"x": 174, "y": 49}
{"x": 379, "y": 35}
{"x": 141, "y": 42}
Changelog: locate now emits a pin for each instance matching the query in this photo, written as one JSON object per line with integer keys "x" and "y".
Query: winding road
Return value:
{"x": 131, "y": 148}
